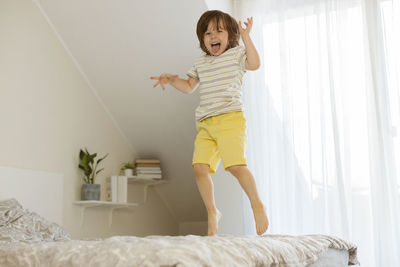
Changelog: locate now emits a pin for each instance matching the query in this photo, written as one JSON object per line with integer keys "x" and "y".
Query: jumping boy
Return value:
{"x": 220, "y": 124}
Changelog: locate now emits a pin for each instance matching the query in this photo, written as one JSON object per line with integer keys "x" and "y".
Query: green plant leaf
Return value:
{"x": 99, "y": 160}
{"x": 81, "y": 154}
{"x": 87, "y": 164}
{"x": 81, "y": 167}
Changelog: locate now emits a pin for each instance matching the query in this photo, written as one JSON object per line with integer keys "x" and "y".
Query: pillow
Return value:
{"x": 19, "y": 224}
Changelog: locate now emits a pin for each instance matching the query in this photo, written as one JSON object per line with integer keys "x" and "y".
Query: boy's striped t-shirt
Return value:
{"x": 220, "y": 82}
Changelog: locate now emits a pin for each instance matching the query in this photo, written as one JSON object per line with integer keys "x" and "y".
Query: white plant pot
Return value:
{"x": 128, "y": 172}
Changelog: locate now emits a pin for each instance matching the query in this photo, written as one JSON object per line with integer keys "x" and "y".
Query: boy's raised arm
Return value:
{"x": 253, "y": 59}
{"x": 185, "y": 86}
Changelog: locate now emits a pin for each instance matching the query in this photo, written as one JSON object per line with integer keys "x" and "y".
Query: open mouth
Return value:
{"x": 215, "y": 47}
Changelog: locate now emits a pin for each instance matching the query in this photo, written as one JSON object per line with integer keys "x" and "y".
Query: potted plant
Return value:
{"x": 90, "y": 190}
{"x": 127, "y": 168}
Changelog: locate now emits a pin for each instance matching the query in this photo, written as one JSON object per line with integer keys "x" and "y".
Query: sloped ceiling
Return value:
{"x": 118, "y": 45}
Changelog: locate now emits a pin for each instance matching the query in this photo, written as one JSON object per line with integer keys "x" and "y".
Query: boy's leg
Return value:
{"x": 246, "y": 180}
{"x": 206, "y": 188}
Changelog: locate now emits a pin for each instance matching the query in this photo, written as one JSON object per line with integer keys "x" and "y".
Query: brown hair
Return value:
{"x": 217, "y": 16}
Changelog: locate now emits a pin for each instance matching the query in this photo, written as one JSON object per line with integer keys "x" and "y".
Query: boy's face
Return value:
{"x": 216, "y": 38}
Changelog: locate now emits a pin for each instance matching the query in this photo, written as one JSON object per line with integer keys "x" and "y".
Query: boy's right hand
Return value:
{"x": 164, "y": 78}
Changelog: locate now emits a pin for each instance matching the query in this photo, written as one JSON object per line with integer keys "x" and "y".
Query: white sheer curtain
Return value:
{"x": 324, "y": 120}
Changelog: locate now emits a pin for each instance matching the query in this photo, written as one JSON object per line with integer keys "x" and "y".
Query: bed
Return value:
{"x": 29, "y": 239}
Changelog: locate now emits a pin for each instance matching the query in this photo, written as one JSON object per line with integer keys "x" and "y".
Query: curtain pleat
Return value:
{"x": 323, "y": 116}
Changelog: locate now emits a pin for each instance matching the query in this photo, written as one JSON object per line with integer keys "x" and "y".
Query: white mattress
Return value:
{"x": 271, "y": 250}
{"x": 27, "y": 239}
{"x": 332, "y": 258}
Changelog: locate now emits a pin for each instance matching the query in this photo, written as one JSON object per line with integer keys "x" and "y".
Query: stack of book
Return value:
{"x": 148, "y": 168}
{"x": 117, "y": 189}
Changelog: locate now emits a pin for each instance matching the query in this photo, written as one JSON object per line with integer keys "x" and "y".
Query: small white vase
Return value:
{"x": 128, "y": 172}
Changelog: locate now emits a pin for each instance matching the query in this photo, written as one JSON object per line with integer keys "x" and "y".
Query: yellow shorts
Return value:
{"x": 221, "y": 136}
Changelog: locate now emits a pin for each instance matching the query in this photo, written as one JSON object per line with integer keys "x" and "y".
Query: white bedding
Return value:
{"x": 27, "y": 239}
{"x": 332, "y": 258}
{"x": 269, "y": 250}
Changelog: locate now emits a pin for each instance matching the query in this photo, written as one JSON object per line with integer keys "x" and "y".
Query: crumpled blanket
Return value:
{"x": 223, "y": 250}
{"x": 20, "y": 224}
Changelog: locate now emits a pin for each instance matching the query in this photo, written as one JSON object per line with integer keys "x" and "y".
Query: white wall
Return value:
{"x": 223, "y": 5}
{"x": 229, "y": 200}
{"x": 193, "y": 228}
{"x": 118, "y": 55}
{"x": 48, "y": 112}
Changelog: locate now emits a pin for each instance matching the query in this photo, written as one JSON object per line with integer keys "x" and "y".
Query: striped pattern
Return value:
{"x": 220, "y": 80}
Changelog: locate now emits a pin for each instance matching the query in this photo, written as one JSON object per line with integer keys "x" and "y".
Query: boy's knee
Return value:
{"x": 235, "y": 170}
{"x": 201, "y": 169}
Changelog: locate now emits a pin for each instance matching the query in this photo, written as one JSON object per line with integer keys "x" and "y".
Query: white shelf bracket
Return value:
{"x": 145, "y": 193}
{"x": 111, "y": 206}
{"x": 110, "y": 216}
{"x": 82, "y": 215}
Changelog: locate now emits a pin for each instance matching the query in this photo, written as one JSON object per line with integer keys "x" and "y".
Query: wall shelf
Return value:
{"x": 111, "y": 205}
{"x": 135, "y": 179}
{"x": 146, "y": 182}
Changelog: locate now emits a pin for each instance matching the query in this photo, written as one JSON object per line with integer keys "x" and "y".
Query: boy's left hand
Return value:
{"x": 249, "y": 24}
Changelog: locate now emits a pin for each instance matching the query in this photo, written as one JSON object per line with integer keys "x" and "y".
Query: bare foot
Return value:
{"x": 213, "y": 219}
{"x": 260, "y": 216}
